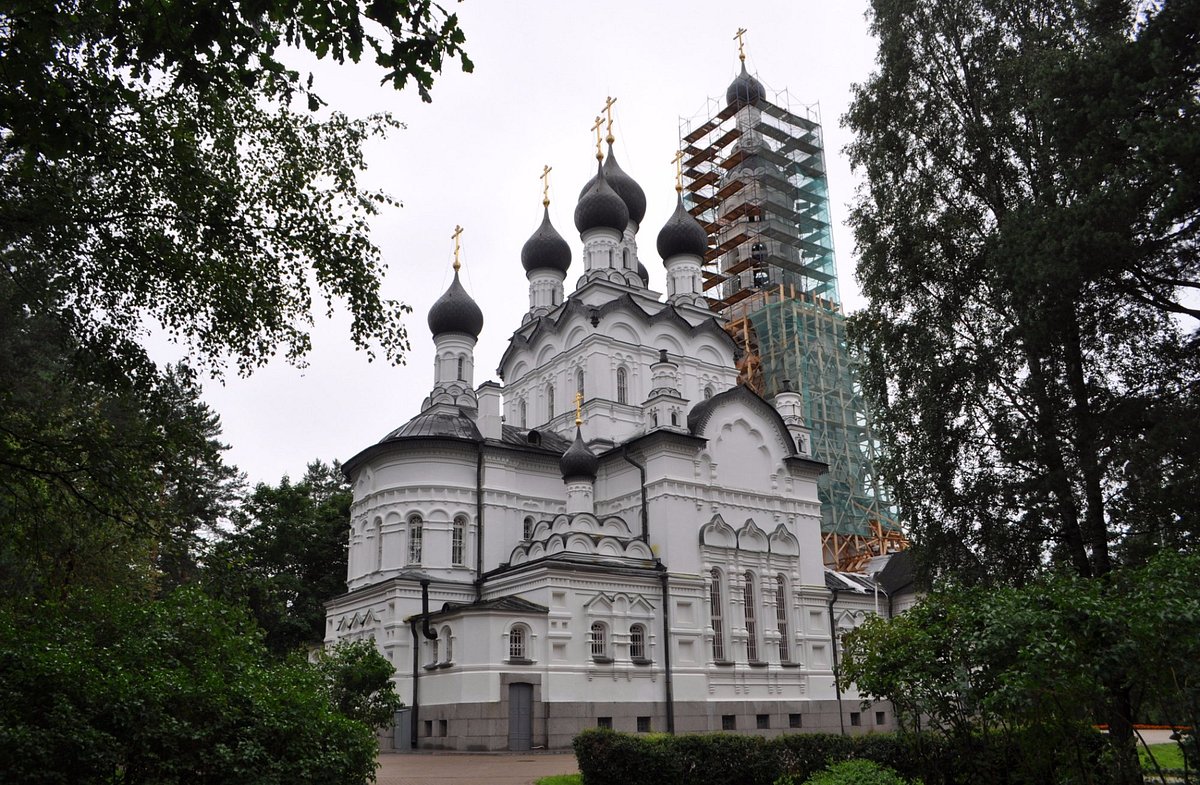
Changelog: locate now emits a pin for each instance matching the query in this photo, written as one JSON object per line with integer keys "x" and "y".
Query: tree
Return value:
{"x": 153, "y": 168}
{"x": 100, "y": 689}
{"x": 1036, "y": 664}
{"x": 1028, "y": 239}
{"x": 103, "y": 483}
{"x": 155, "y": 171}
{"x": 359, "y": 681}
{"x": 285, "y": 555}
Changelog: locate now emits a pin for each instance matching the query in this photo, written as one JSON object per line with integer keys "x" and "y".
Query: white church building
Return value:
{"x": 618, "y": 535}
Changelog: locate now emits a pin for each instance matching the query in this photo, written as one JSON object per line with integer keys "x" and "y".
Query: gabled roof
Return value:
{"x": 554, "y": 322}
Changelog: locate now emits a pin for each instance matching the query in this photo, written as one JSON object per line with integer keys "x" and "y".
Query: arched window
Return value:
{"x": 458, "y": 536}
{"x": 622, "y": 386}
{"x": 674, "y": 418}
{"x": 550, "y": 401}
{"x": 518, "y": 642}
{"x": 527, "y": 529}
{"x": 378, "y": 544}
{"x": 708, "y": 392}
{"x": 781, "y": 617}
{"x": 599, "y": 640}
{"x": 625, "y": 259}
{"x": 751, "y": 617}
{"x": 460, "y": 370}
{"x": 447, "y": 645}
{"x": 637, "y": 642}
{"x": 522, "y": 414}
{"x": 718, "y": 620}
{"x": 433, "y": 651}
{"x": 654, "y": 418}
{"x": 414, "y": 539}
{"x": 579, "y": 381}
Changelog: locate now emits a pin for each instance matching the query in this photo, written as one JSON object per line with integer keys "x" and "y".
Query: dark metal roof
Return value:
{"x": 899, "y": 572}
{"x": 511, "y": 603}
{"x": 682, "y": 234}
{"x": 745, "y": 89}
{"x": 546, "y": 249}
{"x": 601, "y": 206}
{"x": 455, "y": 312}
{"x": 436, "y": 422}
{"x": 546, "y": 441}
{"x": 578, "y": 461}
{"x": 626, "y": 187}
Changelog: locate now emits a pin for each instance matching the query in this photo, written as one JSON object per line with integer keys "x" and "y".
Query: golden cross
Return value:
{"x": 458, "y": 230}
{"x": 596, "y": 128}
{"x": 741, "y": 50}
{"x": 545, "y": 178}
{"x": 579, "y": 408}
{"x": 608, "y": 104}
{"x": 678, "y": 161}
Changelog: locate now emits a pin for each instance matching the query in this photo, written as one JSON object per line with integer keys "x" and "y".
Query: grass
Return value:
{"x": 561, "y": 779}
{"x": 1168, "y": 755}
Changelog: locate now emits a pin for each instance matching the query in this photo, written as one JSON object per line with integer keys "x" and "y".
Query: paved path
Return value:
{"x": 458, "y": 768}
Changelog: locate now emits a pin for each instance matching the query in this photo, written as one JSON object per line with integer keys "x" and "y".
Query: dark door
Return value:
{"x": 520, "y": 717}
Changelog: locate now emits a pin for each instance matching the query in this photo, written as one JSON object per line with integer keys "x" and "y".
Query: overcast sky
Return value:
{"x": 473, "y": 157}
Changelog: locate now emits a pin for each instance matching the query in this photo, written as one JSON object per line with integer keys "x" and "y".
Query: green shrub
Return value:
{"x": 858, "y": 772}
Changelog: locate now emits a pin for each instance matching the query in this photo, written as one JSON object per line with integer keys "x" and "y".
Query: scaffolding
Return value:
{"x": 754, "y": 176}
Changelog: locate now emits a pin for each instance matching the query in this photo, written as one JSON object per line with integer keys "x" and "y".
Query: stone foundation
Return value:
{"x": 471, "y": 727}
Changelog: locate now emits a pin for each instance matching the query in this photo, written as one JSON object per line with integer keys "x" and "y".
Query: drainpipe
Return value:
{"x": 428, "y": 632}
{"x": 833, "y": 639}
{"x": 478, "y": 521}
{"x": 416, "y": 699}
{"x": 666, "y": 613}
{"x": 642, "y": 472}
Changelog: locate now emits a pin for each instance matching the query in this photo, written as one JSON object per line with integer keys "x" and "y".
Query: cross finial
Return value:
{"x": 678, "y": 161}
{"x": 458, "y": 230}
{"x": 545, "y": 178}
{"x": 741, "y": 44}
{"x": 579, "y": 408}
{"x": 608, "y": 105}
{"x": 596, "y": 127}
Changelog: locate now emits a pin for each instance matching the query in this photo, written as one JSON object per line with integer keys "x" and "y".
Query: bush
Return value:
{"x": 180, "y": 690}
{"x": 858, "y": 772}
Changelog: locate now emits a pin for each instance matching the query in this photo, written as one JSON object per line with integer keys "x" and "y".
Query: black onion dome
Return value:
{"x": 455, "y": 312}
{"x": 600, "y": 206}
{"x": 546, "y": 249}
{"x": 626, "y": 187}
{"x": 745, "y": 89}
{"x": 644, "y": 274}
{"x": 682, "y": 234}
{"x": 578, "y": 461}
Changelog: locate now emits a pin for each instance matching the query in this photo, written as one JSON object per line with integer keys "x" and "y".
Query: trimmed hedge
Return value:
{"x": 609, "y": 758}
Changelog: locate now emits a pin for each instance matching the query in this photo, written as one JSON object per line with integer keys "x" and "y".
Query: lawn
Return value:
{"x": 561, "y": 779}
{"x": 1169, "y": 756}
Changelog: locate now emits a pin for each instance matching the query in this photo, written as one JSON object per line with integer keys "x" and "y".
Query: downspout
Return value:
{"x": 416, "y": 657}
{"x": 666, "y": 615}
{"x": 833, "y": 639}
{"x": 478, "y": 521}
{"x": 416, "y": 699}
{"x": 642, "y": 472}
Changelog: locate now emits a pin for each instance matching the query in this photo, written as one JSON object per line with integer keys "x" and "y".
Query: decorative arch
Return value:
{"x": 752, "y": 538}
{"x": 718, "y": 534}
{"x": 783, "y": 542}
